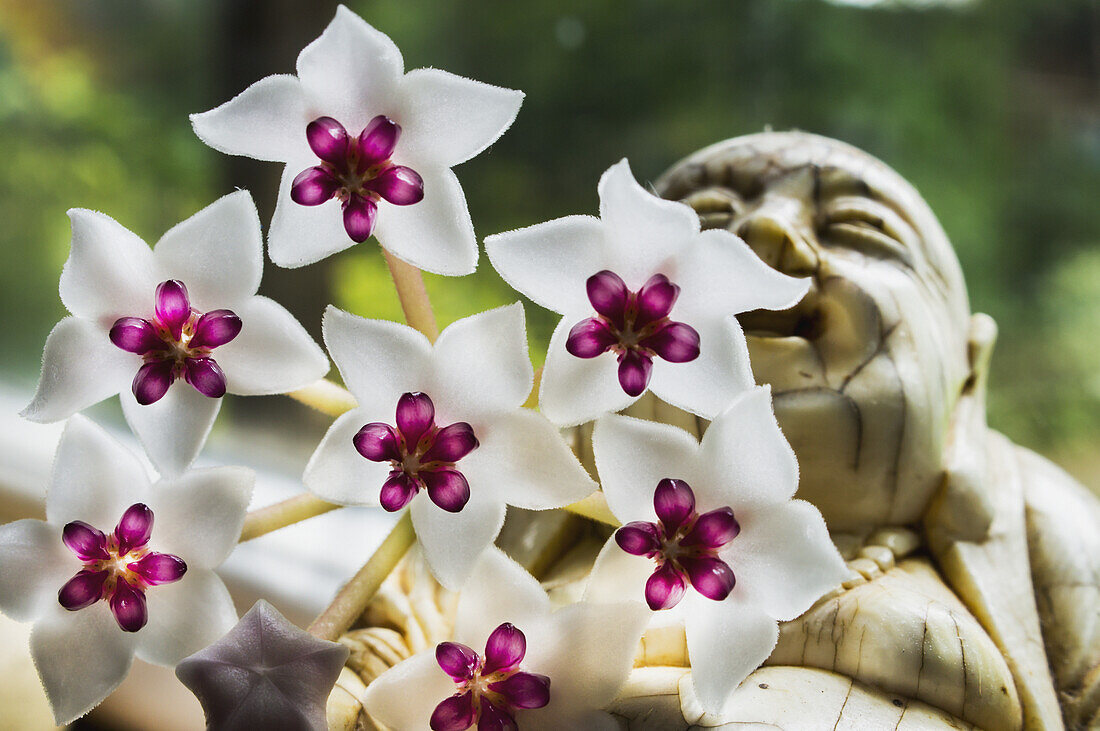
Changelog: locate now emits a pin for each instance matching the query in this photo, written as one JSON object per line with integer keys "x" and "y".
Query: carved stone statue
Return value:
{"x": 974, "y": 597}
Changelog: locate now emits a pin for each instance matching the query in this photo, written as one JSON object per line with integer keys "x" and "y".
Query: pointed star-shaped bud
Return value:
{"x": 264, "y": 673}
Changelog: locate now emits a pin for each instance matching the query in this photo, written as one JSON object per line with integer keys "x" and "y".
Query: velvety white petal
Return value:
{"x": 266, "y": 121}
{"x": 646, "y": 229}
{"x": 618, "y": 576}
{"x": 301, "y": 235}
{"x": 706, "y": 385}
{"x": 550, "y": 262}
{"x": 524, "y": 461}
{"x": 174, "y": 429}
{"x": 378, "y": 360}
{"x": 110, "y": 272}
{"x": 338, "y": 473}
{"x": 351, "y": 70}
{"x": 784, "y": 559}
{"x": 720, "y": 272}
{"x": 633, "y": 455}
{"x": 217, "y": 253}
{"x": 272, "y": 354}
{"x": 587, "y": 651}
{"x": 482, "y": 365}
{"x": 185, "y": 616}
{"x": 404, "y": 696}
{"x": 498, "y": 590}
{"x": 34, "y": 565}
{"x": 436, "y": 234}
{"x": 726, "y": 641}
{"x": 81, "y": 657}
{"x": 447, "y": 119}
{"x": 453, "y": 542}
{"x": 575, "y": 390}
{"x": 94, "y": 477}
{"x": 746, "y": 458}
{"x": 198, "y": 515}
{"x": 561, "y": 718}
{"x": 80, "y": 367}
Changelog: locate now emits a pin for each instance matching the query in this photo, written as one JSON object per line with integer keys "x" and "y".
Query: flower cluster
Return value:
{"x": 709, "y": 530}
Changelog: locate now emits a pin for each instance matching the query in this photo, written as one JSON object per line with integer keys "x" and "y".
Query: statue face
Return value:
{"x": 866, "y": 370}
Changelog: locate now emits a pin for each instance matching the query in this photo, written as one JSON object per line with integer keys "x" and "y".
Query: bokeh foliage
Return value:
{"x": 992, "y": 109}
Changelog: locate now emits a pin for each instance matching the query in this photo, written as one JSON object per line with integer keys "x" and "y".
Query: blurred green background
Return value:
{"x": 992, "y": 109}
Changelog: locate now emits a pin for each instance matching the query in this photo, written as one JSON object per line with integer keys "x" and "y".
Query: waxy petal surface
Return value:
{"x": 338, "y": 473}
{"x": 301, "y": 235}
{"x": 184, "y": 617}
{"x": 387, "y": 698}
{"x": 173, "y": 429}
{"x": 35, "y": 566}
{"x": 452, "y": 542}
{"x": 200, "y": 514}
{"x": 574, "y": 390}
{"x": 265, "y": 121}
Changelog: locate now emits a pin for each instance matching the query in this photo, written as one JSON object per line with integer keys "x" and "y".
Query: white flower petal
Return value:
{"x": 447, "y": 119}
{"x": 34, "y": 565}
{"x": 301, "y": 235}
{"x": 550, "y": 262}
{"x": 94, "y": 477}
{"x": 645, "y": 229}
{"x": 481, "y": 363}
{"x": 721, "y": 273}
{"x": 80, "y": 367}
{"x": 525, "y": 462}
{"x": 618, "y": 576}
{"x": 575, "y": 390}
{"x": 452, "y": 542}
{"x": 633, "y": 455}
{"x": 198, "y": 516}
{"x": 784, "y": 559}
{"x": 338, "y": 473}
{"x": 587, "y": 651}
{"x": 707, "y": 385}
{"x": 747, "y": 460}
{"x": 173, "y": 429}
{"x": 266, "y": 121}
{"x": 405, "y": 696}
{"x": 185, "y": 616}
{"x": 498, "y": 590}
{"x": 110, "y": 272}
{"x": 351, "y": 70}
{"x": 217, "y": 253}
{"x": 81, "y": 657}
{"x": 436, "y": 234}
{"x": 272, "y": 354}
{"x": 589, "y": 721}
{"x": 726, "y": 641}
{"x": 378, "y": 360}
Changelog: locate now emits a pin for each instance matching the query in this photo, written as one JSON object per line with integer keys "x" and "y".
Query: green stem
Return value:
{"x": 280, "y": 515}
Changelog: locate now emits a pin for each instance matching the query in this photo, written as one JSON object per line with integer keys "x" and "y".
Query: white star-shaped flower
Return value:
{"x": 171, "y": 329}
{"x": 648, "y": 302}
{"x": 447, "y": 420}
{"x": 540, "y": 669}
{"x": 710, "y": 532}
{"x": 368, "y": 149}
{"x": 120, "y": 567}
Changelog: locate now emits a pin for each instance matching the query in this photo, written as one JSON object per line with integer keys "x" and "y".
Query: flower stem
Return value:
{"x": 280, "y": 515}
{"x": 409, "y": 282}
{"x": 594, "y": 507}
{"x": 357, "y": 593}
{"x": 325, "y": 396}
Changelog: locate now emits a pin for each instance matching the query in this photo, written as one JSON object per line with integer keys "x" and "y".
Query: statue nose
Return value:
{"x": 778, "y": 241}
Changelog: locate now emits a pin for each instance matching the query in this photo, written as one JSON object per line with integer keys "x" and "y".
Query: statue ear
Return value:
{"x": 981, "y": 338}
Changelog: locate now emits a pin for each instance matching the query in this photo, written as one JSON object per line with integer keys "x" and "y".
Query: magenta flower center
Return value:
{"x": 357, "y": 171}
{"x": 118, "y": 568}
{"x": 421, "y": 454}
{"x": 633, "y": 325}
{"x": 490, "y": 689}
{"x": 176, "y": 343}
{"x": 684, "y": 544}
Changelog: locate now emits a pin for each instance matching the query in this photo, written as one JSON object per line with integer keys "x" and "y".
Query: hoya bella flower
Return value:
{"x": 171, "y": 328}
{"x": 368, "y": 149}
{"x": 541, "y": 668}
{"x": 264, "y": 673}
{"x": 146, "y": 588}
{"x": 730, "y": 553}
{"x": 647, "y": 301}
{"x": 447, "y": 420}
